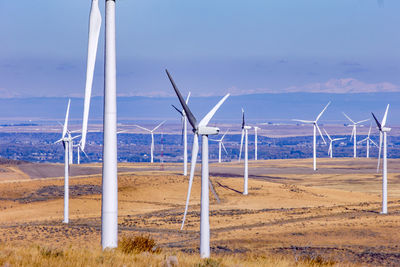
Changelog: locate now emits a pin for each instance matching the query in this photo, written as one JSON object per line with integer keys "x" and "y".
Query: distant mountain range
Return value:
{"x": 259, "y": 108}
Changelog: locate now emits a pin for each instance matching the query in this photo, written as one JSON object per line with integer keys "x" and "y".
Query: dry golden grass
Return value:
{"x": 291, "y": 215}
{"x": 35, "y": 255}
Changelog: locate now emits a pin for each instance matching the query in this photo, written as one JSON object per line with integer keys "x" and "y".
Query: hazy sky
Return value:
{"x": 211, "y": 46}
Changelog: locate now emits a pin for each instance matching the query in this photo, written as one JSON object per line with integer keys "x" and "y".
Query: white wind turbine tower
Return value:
{"x": 330, "y": 150}
{"x": 220, "y": 146}
{"x": 255, "y": 142}
{"x": 70, "y": 150}
{"x": 66, "y": 140}
{"x": 245, "y": 129}
{"x": 152, "y": 139}
{"x": 109, "y": 204}
{"x": 368, "y": 140}
{"x": 184, "y": 135}
{"x": 383, "y": 130}
{"x": 354, "y": 132}
{"x": 94, "y": 32}
{"x": 202, "y": 129}
{"x": 316, "y": 127}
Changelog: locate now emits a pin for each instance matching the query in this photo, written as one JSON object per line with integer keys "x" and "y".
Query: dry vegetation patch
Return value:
{"x": 138, "y": 244}
{"x": 35, "y": 255}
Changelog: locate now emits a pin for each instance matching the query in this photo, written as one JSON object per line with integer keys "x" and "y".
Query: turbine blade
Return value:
{"x": 210, "y": 114}
{"x": 362, "y": 121}
{"x": 66, "y": 119}
{"x": 320, "y": 114}
{"x": 142, "y": 128}
{"x": 94, "y": 32}
{"x": 187, "y": 98}
{"x": 210, "y": 185}
{"x": 327, "y": 134}
{"x": 183, "y": 128}
{"x": 370, "y": 127}
{"x": 241, "y": 144}
{"x": 86, "y": 155}
{"x": 75, "y": 137}
{"x": 243, "y": 122}
{"x": 158, "y": 126}
{"x": 365, "y": 139}
{"x": 195, "y": 151}
{"x": 385, "y": 116}
{"x": 330, "y": 148}
{"x": 348, "y": 118}
{"x": 223, "y": 146}
{"x": 352, "y": 133}
{"x": 320, "y": 133}
{"x": 379, "y": 153}
{"x": 224, "y": 134}
{"x": 58, "y": 141}
{"x": 373, "y": 142}
{"x": 303, "y": 121}
{"x": 180, "y": 112}
{"x": 377, "y": 122}
{"x": 191, "y": 117}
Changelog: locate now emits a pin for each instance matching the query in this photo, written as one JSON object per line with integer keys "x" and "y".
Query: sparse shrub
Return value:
{"x": 138, "y": 244}
{"x": 51, "y": 252}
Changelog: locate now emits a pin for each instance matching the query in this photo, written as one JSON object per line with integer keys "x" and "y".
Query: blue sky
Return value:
{"x": 210, "y": 47}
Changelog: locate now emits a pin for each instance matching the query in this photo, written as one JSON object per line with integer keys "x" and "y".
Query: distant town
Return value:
{"x": 135, "y": 147}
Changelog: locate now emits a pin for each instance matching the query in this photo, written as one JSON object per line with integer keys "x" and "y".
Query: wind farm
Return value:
{"x": 305, "y": 209}
{"x": 112, "y": 185}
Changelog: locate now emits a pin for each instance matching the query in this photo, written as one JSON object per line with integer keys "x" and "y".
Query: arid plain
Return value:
{"x": 290, "y": 211}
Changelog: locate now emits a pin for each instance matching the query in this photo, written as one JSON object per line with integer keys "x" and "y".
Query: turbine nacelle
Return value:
{"x": 247, "y": 127}
{"x": 205, "y": 130}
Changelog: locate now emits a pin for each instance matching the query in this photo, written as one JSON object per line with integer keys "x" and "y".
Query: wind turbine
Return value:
{"x": 316, "y": 127}
{"x": 184, "y": 135}
{"x": 354, "y": 132}
{"x": 255, "y": 142}
{"x": 93, "y": 40}
{"x": 152, "y": 138}
{"x": 330, "y": 150}
{"x": 66, "y": 140}
{"x": 109, "y": 203}
{"x": 220, "y": 145}
{"x": 245, "y": 129}
{"x": 383, "y": 130}
{"x": 368, "y": 139}
{"x": 202, "y": 129}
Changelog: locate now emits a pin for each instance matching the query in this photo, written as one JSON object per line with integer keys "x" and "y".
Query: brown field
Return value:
{"x": 290, "y": 216}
